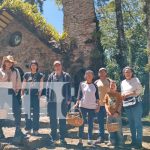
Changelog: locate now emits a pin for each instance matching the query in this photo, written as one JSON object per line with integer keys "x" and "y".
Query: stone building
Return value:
{"x": 19, "y": 40}
{"x": 80, "y": 25}
{"x": 26, "y": 42}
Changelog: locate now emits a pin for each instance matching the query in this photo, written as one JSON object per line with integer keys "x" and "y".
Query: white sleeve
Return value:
{"x": 138, "y": 87}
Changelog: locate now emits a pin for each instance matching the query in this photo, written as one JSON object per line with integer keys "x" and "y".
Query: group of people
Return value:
{"x": 95, "y": 98}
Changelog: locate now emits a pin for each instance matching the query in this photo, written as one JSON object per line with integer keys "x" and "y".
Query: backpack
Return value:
{"x": 20, "y": 72}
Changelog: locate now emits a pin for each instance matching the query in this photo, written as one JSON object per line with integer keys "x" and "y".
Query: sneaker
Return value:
{"x": 80, "y": 144}
{"x": 52, "y": 143}
{"x": 99, "y": 140}
{"x": 90, "y": 142}
{"x": 28, "y": 131}
{"x": 138, "y": 146}
{"x": 19, "y": 133}
{"x": 111, "y": 145}
{"x": 63, "y": 142}
{"x": 133, "y": 144}
{"x": 36, "y": 133}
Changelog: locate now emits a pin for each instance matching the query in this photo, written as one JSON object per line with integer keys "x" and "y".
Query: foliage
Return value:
{"x": 30, "y": 15}
{"x": 58, "y": 2}
{"x": 39, "y": 3}
{"x": 135, "y": 34}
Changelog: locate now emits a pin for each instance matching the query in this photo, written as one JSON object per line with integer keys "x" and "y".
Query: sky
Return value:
{"x": 53, "y": 15}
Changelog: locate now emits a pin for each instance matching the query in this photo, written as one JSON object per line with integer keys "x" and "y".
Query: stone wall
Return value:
{"x": 30, "y": 48}
{"x": 80, "y": 23}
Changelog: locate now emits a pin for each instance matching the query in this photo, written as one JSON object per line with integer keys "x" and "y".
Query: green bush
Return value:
{"x": 30, "y": 15}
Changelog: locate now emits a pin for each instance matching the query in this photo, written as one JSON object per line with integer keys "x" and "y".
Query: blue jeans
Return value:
{"x": 134, "y": 115}
{"x": 33, "y": 123}
{"x": 101, "y": 116}
{"x": 115, "y": 138}
{"x": 91, "y": 114}
{"x": 52, "y": 112}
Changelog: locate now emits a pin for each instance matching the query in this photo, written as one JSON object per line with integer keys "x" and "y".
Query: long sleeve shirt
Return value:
{"x": 66, "y": 89}
{"x": 131, "y": 86}
{"x": 11, "y": 76}
{"x": 88, "y": 95}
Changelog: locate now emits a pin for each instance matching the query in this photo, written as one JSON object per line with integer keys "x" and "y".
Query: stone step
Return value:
{"x": 44, "y": 122}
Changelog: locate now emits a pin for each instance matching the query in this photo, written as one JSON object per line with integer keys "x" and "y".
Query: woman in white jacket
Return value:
{"x": 131, "y": 89}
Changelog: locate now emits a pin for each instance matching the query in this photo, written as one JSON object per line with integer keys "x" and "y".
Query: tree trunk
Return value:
{"x": 121, "y": 41}
{"x": 147, "y": 11}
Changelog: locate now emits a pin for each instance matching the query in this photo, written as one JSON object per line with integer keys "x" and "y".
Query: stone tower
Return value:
{"x": 80, "y": 24}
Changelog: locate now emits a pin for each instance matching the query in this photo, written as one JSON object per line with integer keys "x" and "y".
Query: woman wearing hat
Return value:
{"x": 31, "y": 91}
{"x": 103, "y": 87}
{"x": 10, "y": 74}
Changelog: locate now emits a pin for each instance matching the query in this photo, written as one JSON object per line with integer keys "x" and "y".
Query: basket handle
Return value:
{"x": 72, "y": 108}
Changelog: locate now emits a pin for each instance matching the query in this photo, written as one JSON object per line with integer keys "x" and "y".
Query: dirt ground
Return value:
{"x": 41, "y": 142}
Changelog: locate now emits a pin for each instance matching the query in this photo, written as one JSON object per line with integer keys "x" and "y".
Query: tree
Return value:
{"x": 121, "y": 40}
{"x": 147, "y": 21}
{"x": 39, "y": 3}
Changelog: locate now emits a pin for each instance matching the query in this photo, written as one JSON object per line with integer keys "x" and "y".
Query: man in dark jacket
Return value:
{"x": 58, "y": 91}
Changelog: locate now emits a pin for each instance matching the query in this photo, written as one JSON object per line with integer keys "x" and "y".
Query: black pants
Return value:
{"x": 33, "y": 123}
{"x": 52, "y": 112}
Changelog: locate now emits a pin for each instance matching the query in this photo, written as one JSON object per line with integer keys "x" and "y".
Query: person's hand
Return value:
{"x": 116, "y": 115}
{"x": 109, "y": 114}
{"x": 97, "y": 109}
{"x": 68, "y": 102}
{"x": 75, "y": 106}
{"x": 22, "y": 96}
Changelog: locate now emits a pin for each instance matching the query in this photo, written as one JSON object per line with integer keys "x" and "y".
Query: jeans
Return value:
{"x": 91, "y": 114}
{"x": 115, "y": 138}
{"x": 16, "y": 108}
{"x": 101, "y": 116}
{"x": 52, "y": 112}
{"x": 34, "y": 105}
{"x": 134, "y": 115}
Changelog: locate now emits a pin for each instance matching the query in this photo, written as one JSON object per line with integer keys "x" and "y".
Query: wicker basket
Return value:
{"x": 112, "y": 127}
{"x": 74, "y": 118}
{"x": 3, "y": 113}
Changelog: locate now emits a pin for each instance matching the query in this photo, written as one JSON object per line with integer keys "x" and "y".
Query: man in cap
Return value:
{"x": 58, "y": 77}
{"x": 103, "y": 87}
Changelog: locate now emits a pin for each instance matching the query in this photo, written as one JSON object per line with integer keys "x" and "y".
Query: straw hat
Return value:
{"x": 9, "y": 58}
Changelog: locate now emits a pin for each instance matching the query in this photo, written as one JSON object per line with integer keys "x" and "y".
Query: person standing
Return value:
{"x": 113, "y": 106}
{"x": 88, "y": 103}
{"x": 32, "y": 86}
{"x": 131, "y": 89}
{"x": 56, "y": 79}
{"x": 103, "y": 87}
{"x": 8, "y": 73}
